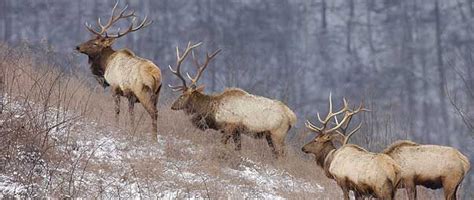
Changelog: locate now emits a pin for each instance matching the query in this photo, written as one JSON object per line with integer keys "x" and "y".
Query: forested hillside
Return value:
{"x": 410, "y": 61}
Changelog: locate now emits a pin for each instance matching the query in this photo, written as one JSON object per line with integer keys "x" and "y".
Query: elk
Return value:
{"x": 351, "y": 166}
{"x": 431, "y": 166}
{"x": 137, "y": 79}
{"x": 232, "y": 112}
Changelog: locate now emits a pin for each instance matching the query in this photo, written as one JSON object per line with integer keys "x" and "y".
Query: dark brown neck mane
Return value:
{"x": 98, "y": 61}
{"x": 321, "y": 156}
{"x": 201, "y": 106}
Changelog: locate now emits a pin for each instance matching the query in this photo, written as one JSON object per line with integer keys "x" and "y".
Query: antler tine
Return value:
{"x": 346, "y": 116}
{"x": 130, "y": 29}
{"x": 110, "y": 21}
{"x": 319, "y": 118}
{"x": 202, "y": 67}
{"x": 312, "y": 127}
{"x": 346, "y": 120}
{"x": 89, "y": 27}
{"x": 114, "y": 17}
{"x": 348, "y": 136}
{"x": 332, "y": 114}
{"x": 179, "y": 61}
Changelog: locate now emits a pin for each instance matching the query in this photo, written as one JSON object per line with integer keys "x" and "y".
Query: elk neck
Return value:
{"x": 327, "y": 163}
{"x": 201, "y": 104}
{"x": 99, "y": 61}
{"x": 324, "y": 153}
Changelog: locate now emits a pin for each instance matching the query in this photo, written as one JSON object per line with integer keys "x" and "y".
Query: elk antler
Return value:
{"x": 201, "y": 68}
{"x": 179, "y": 61}
{"x": 347, "y": 120}
{"x": 328, "y": 117}
{"x": 114, "y": 18}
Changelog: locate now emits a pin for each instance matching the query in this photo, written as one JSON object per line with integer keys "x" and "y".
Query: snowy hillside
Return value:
{"x": 106, "y": 162}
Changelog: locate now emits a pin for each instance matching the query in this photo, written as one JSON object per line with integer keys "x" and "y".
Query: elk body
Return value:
{"x": 137, "y": 79}
{"x": 431, "y": 166}
{"x": 351, "y": 166}
{"x": 233, "y": 111}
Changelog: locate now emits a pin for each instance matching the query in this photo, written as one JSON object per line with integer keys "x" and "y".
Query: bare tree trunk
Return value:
{"x": 370, "y": 6}
{"x": 373, "y": 63}
{"x": 80, "y": 23}
{"x": 324, "y": 22}
{"x": 7, "y": 34}
{"x": 441, "y": 70}
{"x": 209, "y": 19}
{"x": 349, "y": 26}
{"x": 471, "y": 7}
{"x": 409, "y": 65}
{"x": 426, "y": 106}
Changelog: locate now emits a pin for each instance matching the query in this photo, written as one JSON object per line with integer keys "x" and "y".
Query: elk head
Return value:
{"x": 323, "y": 141}
{"x": 102, "y": 38}
{"x": 188, "y": 92}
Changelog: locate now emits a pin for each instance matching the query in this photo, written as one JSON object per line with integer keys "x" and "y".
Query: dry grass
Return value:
{"x": 40, "y": 94}
{"x": 58, "y": 130}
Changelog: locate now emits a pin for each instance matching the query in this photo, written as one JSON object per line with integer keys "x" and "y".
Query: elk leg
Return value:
{"x": 131, "y": 105}
{"x": 147, "y": 102}
{"x": 358, "y": 196}
{"x": 268, "y": 137}
{"x": 237, "y": 140}
{"x": 117, "y": 107}
{"x": 410, "y": 187}
{"x": 156, "y": 97}
{"x": 225, "y": 137}
{"x": 345, "y": 191}
{"x": 450, "y": 185}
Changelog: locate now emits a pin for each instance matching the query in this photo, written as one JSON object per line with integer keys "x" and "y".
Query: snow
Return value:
{"x": 9, "y": 187}
{"x": 112, "y": 157}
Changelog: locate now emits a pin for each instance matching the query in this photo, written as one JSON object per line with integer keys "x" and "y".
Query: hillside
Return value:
{"x": 60, "y": 139}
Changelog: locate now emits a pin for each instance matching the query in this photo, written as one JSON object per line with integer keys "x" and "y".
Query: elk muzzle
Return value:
{"x": 304, "y": 150}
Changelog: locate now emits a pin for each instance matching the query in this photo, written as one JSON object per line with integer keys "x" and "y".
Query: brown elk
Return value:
{"x": 233, "y": 111}
{"x": 351, "y": 166}
{"x": 137, "y": 79}
{"x": 431, "y": 166}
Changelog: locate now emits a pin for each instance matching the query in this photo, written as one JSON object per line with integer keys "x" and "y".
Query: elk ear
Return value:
{"x": 339, "y": 137}
{"x": 108, "y": 41}
{"x": 200, "y": 88}
{"x": 326, "y": 137}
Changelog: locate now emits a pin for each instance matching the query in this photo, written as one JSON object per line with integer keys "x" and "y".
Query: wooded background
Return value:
{"x": 410, "y": 61}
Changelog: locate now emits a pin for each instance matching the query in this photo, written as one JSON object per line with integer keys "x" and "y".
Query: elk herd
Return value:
{"x": 233, "y": 112}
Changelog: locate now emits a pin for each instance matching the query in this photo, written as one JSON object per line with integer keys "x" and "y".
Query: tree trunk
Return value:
{"x": 441, "y": 71}
{"x": 323, "y": 14}
{"x": 409, "y": 65}
{"x": 349, "y": 26}
{"x": 7, "y": 34}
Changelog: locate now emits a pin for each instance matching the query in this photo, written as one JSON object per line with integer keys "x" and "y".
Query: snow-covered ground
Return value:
{"x": 105, "y": 162}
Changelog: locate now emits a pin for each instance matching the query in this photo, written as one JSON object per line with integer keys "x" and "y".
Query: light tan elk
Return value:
{"x": 431, "y": 166}
{"x": 352, "y": 167}
{"x": 233, "y": 111}
{"x": 137, "y": 79}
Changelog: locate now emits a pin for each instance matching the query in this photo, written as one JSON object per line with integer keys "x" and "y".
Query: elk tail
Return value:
{"x": 465, "y": 162}
{"x": 291, "y": 115}
{"x": 152, "y": 79}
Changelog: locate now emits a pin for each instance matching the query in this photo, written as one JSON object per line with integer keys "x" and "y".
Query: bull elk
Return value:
{"x": 351, "y": 166}
{"x": 137, "y": 79}
{"x": 431, "y": 166}
{"x": 234, "y": 111}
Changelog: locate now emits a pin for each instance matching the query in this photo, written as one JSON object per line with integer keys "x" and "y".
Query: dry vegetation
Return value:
{"x": 60, "y": 139}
